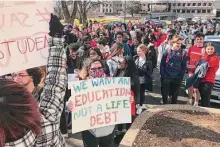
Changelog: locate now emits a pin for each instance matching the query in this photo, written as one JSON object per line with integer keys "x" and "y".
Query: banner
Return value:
{"x": 24, "y": 26}
{"x": 100, "y": 102}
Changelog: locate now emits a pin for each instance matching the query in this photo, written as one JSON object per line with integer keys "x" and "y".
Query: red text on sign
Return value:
{"x": 104, "y": 118}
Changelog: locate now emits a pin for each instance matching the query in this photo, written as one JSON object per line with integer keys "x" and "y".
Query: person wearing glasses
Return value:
{"x": 30, "y": 79}
{"x": 94, "y": 53}
{"x": 24, "y": 122}
{"x": 104, "y": 136}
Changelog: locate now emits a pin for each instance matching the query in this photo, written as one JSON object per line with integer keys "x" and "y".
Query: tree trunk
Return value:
{"x": 65, "y": 11}
{"x": 73, "y": 16}
{"x": 69, "y": 18}
{"x": 84, "y": 19}
{"x": 80, "y": 11}
{"x": 84, "y": 14}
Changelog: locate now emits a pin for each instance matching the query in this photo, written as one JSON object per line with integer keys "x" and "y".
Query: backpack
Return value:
{"x": 169, "y": 53}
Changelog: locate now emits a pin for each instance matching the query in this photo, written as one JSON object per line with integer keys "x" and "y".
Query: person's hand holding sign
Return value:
{"x": 70, "y": 105}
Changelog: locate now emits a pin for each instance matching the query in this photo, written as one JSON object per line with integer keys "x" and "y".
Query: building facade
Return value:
{"x": 172, "y": 8}
{"x": 193, "y": 8}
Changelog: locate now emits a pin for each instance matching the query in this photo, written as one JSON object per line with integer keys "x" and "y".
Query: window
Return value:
{"x": 103, "y": 10}
{"x": 194, "y": 4}
{"x": 199, "y": 4}
{"x": 110, "y": 10}
{"x": 120, "y": 5}
{"x": 210, "y": 4}
{"x": 204, "y": 4}
{"x": 193, "y": 11}
{"x": 198, "y": 11}
{"x": 188, "y": 4}
{"x": 173, "y": 10}
{"x": 179, "y": 4}
{"x": 183, "y": 11}
{"x": 106, "y": 10}
{"x": 143, "y": 4}
{"x": 208, "y": 11}
{"x": 203, "y": 11}
{"x": 188, "y": 11}
{"x": 184, "y": 4}
{"x": 174, "y": 4}
{"x": 178, "y": 11}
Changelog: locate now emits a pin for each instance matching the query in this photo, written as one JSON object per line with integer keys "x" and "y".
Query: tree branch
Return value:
{"x": 93, "y": 5}
{"x": 65, "y": 10}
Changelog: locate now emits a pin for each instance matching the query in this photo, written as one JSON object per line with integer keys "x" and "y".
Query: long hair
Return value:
{"x": 18, "y": 112}
{"x": 36, "y": 75}
{"x": 210, "y": 44}
{"x": 116, "y": 49}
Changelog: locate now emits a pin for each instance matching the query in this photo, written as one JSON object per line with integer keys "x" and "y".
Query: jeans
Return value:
{"x": 89, "y": 140}
{"x": 205, "y": 89}
{"x": 170, "y": 87}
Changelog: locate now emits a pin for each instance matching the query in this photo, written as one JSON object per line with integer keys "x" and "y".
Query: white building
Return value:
{"x": 193, "y": 8}
{"x": 172, "y": 8}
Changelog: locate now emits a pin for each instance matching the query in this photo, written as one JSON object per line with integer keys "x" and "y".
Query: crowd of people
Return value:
{"x": 33, "y": 102}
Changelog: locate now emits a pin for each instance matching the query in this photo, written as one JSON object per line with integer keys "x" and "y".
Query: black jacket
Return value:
{"x": 132, "y": 72}
{"x": 146, "y": 70}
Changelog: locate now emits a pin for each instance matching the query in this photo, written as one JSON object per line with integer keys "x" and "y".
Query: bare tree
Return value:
{"x": 84, "y": 7}
{"x": 133, "y": 7}
{"x": 58, "y": 10}
{"x": 69, "y": 15}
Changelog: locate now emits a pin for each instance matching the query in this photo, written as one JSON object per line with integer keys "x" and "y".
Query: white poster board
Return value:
{"x": 24, "y": 27}
{"x": 100, "y": 102}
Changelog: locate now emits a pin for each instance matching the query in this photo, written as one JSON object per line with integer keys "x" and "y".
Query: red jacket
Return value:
{"x": 133, "y": 110}
{"x": 194, "y": 55}
{"x": 93, "y": 43}
{"x": 160, "y": 38}
{"x": 212, "y": 69}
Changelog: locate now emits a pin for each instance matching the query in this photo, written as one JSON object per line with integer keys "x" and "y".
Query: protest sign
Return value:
{"x": 24, "y": 26}
{"x": 100, "y": 102}
{"x": 71, "y": 79}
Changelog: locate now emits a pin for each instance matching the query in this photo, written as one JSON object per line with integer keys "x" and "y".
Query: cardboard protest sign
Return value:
{"x": 100, "y": 102}
{"x": 24, "y": 26}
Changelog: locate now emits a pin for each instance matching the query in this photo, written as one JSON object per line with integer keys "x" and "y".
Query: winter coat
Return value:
{"x": 199, "y": 73}
{"x": 145, "y": 70}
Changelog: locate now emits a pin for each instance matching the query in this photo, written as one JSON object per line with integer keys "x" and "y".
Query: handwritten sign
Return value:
{"x": 71, "y": 79}
{"x": 24, "y": 26}
{"x": 100, "y": 102}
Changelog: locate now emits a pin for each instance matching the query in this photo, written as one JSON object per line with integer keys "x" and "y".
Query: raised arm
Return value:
{"x": 51, "y": 104}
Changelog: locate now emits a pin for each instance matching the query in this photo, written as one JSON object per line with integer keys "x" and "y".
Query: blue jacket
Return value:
{"x": 199, "y": 73}
{"x": 127, "y": 51}
{"x": 173, "y": 66}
